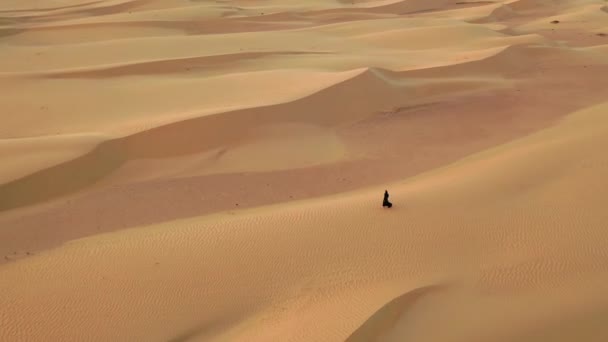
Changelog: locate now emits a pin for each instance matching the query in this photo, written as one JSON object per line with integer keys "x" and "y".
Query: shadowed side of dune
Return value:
{"x": 90, "y": 8}
{"x": 170, "y": 65}
{"x": 64, "y": 178}
{"x": 278, "y": 21}
{"x": 194, "y": 136}
{"x": 6, "y": 32}
{"x": 85, "y": 4}
{"x": 361, "y": 96}
{"x": 387, "y": 317}
{"x": 348, "y": 101}
{"x": 409, "y": 6}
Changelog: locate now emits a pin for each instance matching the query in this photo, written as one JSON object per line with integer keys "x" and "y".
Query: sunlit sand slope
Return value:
{"x": 125, "y": 113}
{"x": 179, "y": 170}
{"x": 504, "y": 245}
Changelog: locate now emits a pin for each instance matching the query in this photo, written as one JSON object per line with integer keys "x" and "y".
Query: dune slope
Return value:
{"x": 456, "y": 253}
{"x": 177, "y": 170}
{"x": 235, "y": 117}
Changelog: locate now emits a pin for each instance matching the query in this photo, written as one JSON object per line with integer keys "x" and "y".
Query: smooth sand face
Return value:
{"x": 191, "y": 170}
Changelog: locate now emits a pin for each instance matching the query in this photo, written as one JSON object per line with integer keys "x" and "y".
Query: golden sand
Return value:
{"x": 213, "y": 170}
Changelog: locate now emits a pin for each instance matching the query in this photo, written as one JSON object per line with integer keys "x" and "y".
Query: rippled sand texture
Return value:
{"x": 179, "y": 170}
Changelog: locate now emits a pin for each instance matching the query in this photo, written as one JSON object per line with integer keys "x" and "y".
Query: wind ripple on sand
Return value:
{"x": 287, "y": 272}
{"x": 147, "y": 114}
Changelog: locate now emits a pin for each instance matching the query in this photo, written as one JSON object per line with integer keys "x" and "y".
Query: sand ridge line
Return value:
{"x": 189, "y": 191}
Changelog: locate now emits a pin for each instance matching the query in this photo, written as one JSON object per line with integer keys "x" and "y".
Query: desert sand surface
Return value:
{"x": 180, "y": 170}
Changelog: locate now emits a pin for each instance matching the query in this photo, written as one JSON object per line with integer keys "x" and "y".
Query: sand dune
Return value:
{"x": 194, "y": 170}
{"x": 318, "y": 269}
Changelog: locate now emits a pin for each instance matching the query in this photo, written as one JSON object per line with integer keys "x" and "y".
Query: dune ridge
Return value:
{"x": 400, "y": 246}
{"x": 349, "y": 100}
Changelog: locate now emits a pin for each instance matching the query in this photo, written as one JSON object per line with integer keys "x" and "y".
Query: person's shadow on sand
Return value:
{"x": 385, "y": 201}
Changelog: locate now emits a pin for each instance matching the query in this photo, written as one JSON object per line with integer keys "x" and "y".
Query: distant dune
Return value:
{"x": 213, "y": 170}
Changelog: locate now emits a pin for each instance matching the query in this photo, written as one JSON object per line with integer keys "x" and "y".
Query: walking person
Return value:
{"x": 385, "y": 201}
